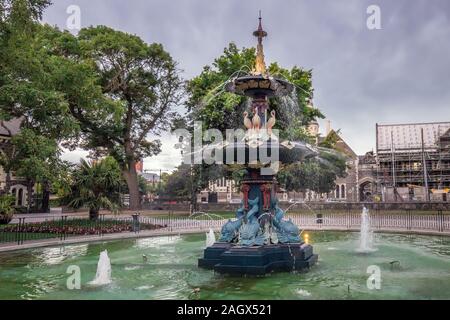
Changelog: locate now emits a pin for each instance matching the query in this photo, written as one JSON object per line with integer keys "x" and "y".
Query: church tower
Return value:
{"x": 313, "y": 126}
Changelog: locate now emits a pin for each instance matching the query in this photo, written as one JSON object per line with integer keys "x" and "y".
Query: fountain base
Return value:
{"x": 229, "y": 258}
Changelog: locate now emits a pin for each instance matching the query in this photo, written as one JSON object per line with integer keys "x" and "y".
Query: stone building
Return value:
{"x": 367, "y": 178}
{"x": 9, "y": 183}
{"x": 347, "y": 187}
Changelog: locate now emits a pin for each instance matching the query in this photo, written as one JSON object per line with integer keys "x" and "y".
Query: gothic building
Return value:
{"x": 9, "y": 183}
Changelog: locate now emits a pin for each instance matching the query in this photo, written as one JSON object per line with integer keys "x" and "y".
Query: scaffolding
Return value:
{"x": 413, "y": 158}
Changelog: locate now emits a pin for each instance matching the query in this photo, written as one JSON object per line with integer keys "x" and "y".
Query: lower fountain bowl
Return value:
{"x": 232, "y": 259}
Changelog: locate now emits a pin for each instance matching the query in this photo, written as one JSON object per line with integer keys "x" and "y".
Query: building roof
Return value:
{"x": 150, "y": 177}
{"x": 341, "y": 145}
{"x": 408, "y": 137}
{"x": 10, "y": 128}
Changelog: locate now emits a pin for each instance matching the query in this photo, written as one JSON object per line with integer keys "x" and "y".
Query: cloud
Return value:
{"x": 361, "y": 77}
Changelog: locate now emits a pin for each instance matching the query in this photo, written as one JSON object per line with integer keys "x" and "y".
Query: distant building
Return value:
{"x": 10, "y": 183}
{"x": 220, "y": 191}
{"x": 151, "y": 178}
{"x": 413, "y": 161}
{"x": 225, "y": 191}
{"x": 409, "y": 160}
{"x": 367, "y": 178}
{"x": 347, "y": 188}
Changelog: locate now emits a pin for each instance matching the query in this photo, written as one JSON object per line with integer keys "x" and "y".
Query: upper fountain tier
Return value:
{"x": 259, "y": 84}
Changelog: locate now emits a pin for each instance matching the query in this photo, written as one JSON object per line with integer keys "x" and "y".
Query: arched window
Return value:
{"x": 337, "y": 191}
{"x": 19, "y": 197}
{"x": 14, "y": 194}
{"x": 343, "y": 195}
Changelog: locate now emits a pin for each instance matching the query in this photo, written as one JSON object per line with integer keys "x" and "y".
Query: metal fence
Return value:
{"x": 65, "y": 227}
{"x": 408, "y": 221}
{"x": 61, "y": 227}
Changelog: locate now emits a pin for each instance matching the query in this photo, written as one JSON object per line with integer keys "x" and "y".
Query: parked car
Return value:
{"x": 233, "y": 201}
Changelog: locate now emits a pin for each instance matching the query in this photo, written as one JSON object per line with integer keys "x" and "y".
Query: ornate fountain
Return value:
{"x": 260, "y": 240}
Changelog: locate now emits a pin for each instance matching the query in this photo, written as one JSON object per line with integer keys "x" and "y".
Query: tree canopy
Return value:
{"x": 101, "y": 90}
{"x": 209, "y": 103}
{"x": 95, "y": 185}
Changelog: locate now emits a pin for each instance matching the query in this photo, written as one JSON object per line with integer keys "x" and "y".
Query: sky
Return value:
{"x": 397, "y": 74}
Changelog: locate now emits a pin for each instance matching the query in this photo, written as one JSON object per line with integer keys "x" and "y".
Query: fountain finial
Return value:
{"x": 260, "y": 65}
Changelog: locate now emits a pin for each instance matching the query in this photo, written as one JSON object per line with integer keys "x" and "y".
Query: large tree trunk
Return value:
{"x": 93, "y": 214}
{"x": 194, "y": 204}
{"x": 131, "y": 178}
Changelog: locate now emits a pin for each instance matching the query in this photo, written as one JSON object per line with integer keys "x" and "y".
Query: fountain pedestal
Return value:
{"x": 227, "y": 258}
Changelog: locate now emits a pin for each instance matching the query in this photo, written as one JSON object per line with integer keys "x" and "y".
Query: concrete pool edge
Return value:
{"x": 165, "y": 232}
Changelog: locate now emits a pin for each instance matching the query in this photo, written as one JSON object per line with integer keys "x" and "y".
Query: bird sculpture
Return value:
{"x": 247, "y": 122}
{"x": 256, "y": 121}
{"x": 271, "y": 122}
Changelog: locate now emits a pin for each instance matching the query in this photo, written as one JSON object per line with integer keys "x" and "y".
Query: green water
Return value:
{"x": 171, "y": 272}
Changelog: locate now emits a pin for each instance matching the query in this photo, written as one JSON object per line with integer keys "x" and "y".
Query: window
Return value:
{"x": 343, "y": 195}
{"x": 19, "y": 198}
{"x": 336, "y": 193}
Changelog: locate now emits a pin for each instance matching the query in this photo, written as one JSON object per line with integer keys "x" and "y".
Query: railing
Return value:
{"x": 61, "y": 227}
{"x": 65, "y": 227}
{"x": 407, "y": 221}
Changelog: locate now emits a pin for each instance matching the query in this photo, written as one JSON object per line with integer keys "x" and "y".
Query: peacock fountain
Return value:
{"x": 260, "y": 240}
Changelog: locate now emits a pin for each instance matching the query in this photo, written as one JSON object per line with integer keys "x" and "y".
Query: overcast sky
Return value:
{"x": 398, "y": 74}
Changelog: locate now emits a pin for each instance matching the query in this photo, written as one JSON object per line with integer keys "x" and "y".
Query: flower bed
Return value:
{"x": 78, "y": 227}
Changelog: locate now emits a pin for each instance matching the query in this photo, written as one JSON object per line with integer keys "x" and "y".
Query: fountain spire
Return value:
{"x": 260, "y": 64}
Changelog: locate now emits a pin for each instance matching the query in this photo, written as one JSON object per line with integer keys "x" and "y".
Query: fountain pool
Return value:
{"x": 171, "y": 272}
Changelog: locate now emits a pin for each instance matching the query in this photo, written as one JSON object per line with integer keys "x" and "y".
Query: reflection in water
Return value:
{"x": 157, "y": 242}
{"x": 423, "y": 271}
{"x": 53, "y": 256}
{"x": 303, "y": 293}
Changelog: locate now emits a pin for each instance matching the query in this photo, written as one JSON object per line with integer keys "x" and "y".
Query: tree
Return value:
{"x": 6, "y": 208}
{"x": 95, "y": 185}
{"x": 187, "y": 181}
{"x": 28, "y": 91}
{"x": 36, "y": 158}
{"x": 106, "y": 91}
{"x": 209, "y": 103}
{"x": 140, "y": 85}
{"x": 27, "y": 69}
{"x": 315, "y": 175}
